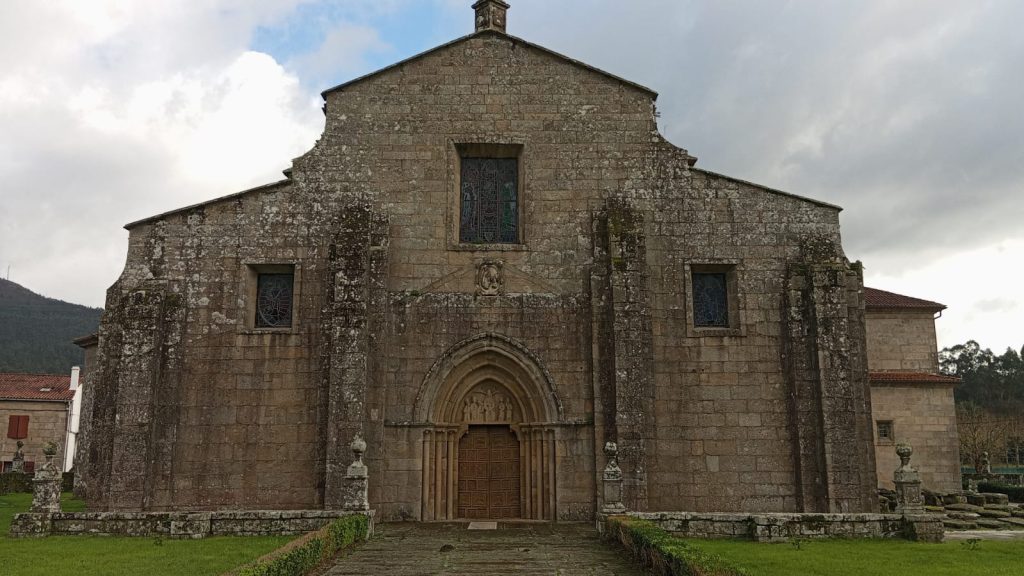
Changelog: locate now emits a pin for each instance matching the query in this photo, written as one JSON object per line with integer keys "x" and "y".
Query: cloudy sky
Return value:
{"x": 906, "y": 112}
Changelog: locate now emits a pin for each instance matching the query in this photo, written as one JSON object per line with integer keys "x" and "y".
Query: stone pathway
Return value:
{"x": 529, "y": 548}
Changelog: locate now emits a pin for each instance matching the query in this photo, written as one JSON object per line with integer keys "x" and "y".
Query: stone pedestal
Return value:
{"x": 46, "y": 484}
{"x": 612, "y": 482}
{"x": 355, "y": 489}
{"x": 909, "y": 500}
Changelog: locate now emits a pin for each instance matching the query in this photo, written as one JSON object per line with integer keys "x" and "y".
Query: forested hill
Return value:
{"x": 36, "y": 331}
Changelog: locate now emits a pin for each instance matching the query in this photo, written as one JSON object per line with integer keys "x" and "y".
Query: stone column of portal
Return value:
{"x": 46, "y": 484}
{"x": 908, "y": 484}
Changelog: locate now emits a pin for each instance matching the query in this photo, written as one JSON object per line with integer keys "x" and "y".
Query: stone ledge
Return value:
{"x": 779, "y": 527}
{"x": 191, "y": 525}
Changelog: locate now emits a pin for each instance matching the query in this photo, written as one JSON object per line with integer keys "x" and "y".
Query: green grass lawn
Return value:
{"x": 872, "y": 558}
{"x": 109, "y": 556}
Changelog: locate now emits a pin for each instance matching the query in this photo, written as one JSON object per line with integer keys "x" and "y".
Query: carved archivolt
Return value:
{"x": 494, "y": 362}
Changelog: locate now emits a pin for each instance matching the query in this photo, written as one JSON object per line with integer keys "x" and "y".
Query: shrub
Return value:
{"x": 666, "y": 554}
{"x": 302, "y": 556}
{"x": 11, "y": 482}
{"x": 1016, "y": 493}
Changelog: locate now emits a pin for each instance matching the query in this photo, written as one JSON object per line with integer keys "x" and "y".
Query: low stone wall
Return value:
{"x": 176, "y": 524}
{"x": 781, "y": 527}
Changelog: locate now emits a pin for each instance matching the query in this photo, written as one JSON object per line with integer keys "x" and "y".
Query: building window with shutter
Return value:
{"x": 17, "y": 427}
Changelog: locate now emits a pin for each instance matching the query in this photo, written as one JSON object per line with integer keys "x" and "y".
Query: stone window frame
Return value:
{"x": 250, "y": 275}
{"x": 891, "y": 437}
{"x": 460, "y": 148}
{"x": 734, "y": 278}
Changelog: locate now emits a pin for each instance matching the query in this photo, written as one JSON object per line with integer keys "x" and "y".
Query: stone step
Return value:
{"x": 968, "y": 516}
{"x": 530, "y": 549}
{"x": 954, "y": 524}
{"x": 964, "y": 507}
{"x": 989, "y": 513}
{"x": 991, "y": 523}
{"x": 1016, "y": 522}
{"x": 1018, "y": 513}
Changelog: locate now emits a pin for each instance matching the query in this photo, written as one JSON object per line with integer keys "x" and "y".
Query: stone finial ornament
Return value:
{"x": 491, "y": 15}
{"x": 612, "y": 480}
{"x": 355, "y": 495}
{"x": 909, "y": 499}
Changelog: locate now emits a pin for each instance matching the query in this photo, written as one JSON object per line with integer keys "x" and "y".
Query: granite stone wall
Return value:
{"x": 924, "y": 416}
{"x": 902, "y": 341}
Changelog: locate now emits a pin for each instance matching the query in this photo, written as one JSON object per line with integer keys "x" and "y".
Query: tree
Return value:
{"x": 980, "y": 432}
{"x": 994, "y": 383}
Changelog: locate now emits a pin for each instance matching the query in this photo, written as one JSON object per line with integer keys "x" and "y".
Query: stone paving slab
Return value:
{"x": 531, "y": 549}
{"x": 985, "y": 535}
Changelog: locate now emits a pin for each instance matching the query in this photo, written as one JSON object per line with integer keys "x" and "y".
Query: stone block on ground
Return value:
{"x": 976, "y": 499}
{"x": 1017, "y": 512}
{"x": 995, "y": 498}
{"x": 954, "y": 498}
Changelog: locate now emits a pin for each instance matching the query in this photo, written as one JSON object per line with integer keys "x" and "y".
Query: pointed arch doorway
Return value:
{"x": 489, "y": 449}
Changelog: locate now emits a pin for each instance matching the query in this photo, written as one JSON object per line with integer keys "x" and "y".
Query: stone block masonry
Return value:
{"x": 783, "y": 527}
{"x": 176, "y": 525}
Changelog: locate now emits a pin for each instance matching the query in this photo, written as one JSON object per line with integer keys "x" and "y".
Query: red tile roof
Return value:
{"x": 912, "y": 378}
{"x": 38, "y": 387}
{"x": 875, "y": 298}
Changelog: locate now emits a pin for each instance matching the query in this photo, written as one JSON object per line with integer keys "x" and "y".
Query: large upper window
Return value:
{"x": 274, "y": 299}
{"x": 710, "y": 300}
{"x": 489, "y": 201}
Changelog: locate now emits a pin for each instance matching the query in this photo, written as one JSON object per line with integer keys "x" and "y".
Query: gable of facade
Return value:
{"x": 710, "y": 327}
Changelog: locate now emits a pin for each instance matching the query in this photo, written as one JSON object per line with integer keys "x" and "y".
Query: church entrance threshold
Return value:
{"x": 489, "y": 473}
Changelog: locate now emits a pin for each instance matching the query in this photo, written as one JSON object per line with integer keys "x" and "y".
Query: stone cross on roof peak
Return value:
{"x": 490, "y": 15}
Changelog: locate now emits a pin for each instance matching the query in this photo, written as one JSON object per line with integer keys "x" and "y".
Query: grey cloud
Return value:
{"x": 905, "y": 113}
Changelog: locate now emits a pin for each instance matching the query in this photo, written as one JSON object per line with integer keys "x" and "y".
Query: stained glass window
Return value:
{"x": 710, "y": 300}
{"x": 490, "y": 201}
{"x": 274, "y": 300}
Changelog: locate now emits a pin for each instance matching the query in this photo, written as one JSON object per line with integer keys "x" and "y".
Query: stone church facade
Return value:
{"x": 489, "y": 265}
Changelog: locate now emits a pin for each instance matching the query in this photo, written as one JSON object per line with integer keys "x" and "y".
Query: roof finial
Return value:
{"x": 490, "y": 15}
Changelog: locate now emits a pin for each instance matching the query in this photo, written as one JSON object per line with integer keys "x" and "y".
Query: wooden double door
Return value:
{"x": 489, "y": 476}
